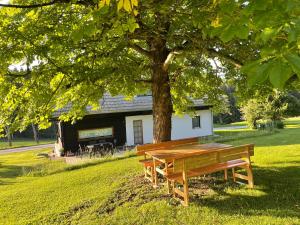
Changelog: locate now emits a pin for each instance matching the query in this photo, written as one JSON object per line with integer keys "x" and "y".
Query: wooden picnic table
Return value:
{"x": 167, "y": 156}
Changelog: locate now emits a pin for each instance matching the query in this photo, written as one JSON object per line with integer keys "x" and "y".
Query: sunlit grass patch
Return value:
{"x": 114, "y": 191}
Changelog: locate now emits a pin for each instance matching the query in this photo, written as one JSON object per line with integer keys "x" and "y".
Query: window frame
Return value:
{"x": 141, "y": 134}
{"x": 197, "y": 124}
{"x": 96, "y": 137}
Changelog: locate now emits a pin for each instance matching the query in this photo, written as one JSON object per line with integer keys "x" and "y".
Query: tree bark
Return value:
{"x": 35, "y": 133}
{"x": 161, "y": 95}
{"x": 8, "y": 136}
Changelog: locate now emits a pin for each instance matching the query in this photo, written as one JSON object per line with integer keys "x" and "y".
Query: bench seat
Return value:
{"x": 207, "y": 170}
{"x": 146, "y": 162}
{"x": 210, "y": 162}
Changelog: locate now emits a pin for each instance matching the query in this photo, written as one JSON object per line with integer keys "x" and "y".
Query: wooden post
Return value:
{"x": 155, "y": 174}
{"x": 233, "y": 172}
{"x": 185, "y": 186}
{"x": 225, "y": 175}
{"x": 168, "y": 182}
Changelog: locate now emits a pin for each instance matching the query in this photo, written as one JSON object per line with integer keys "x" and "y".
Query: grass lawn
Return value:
{"x": 23, "y": 143}
{"x": 34, "y": 190}
{"x": 235, "y": 124}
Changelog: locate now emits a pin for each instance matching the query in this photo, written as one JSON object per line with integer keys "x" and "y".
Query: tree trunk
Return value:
{"x": 8, "y": 136}
{"x": 35, "y": 133}
{"x": 162, "y": 102}
{"x": 220, "y": 119}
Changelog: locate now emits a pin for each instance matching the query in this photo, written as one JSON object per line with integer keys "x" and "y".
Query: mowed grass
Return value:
{"x": 35, "y": 190}
{"x": 23, "y": 143}
{"x": 235, "y": 124}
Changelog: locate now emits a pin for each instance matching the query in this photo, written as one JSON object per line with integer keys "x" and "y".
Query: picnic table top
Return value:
{"x": 182, "y": 151}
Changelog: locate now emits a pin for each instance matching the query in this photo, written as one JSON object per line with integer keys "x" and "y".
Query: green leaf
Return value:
{"x": 279, "y": 73}
{"x": 132, "y": 24}
{"x": 292, "y": 36}
{"x": 267, "y": 34}
{"x": 267, "y": 51}
{"x": 242, "y": 32}
{"x": 256, "y": 72}
{"x": 227, "y": 34}
{"x": 260, "y": 5}
{"x": 294, "y": 61}
{"x": 77, "y": 35}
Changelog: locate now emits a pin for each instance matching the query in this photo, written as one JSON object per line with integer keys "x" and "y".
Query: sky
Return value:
{"x": 4, "y": 1}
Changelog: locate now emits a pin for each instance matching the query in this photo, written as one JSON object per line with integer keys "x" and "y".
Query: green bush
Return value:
{"x": 278, "y": 124}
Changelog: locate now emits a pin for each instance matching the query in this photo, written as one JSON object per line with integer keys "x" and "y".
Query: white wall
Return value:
{"x": 181, "y": 126}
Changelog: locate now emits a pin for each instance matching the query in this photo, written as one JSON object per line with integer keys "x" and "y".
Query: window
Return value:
{"x": 138, "y": 132}
{"x": 95, "y": 133}
{"x": 196, "y": 122}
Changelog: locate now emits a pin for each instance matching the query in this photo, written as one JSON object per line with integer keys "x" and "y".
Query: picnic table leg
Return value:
{"x": 225, "y": 175}
{"x": 185, "y": 189}
{"x": 168, "y": 182}
{"x": 155, "y": 174}
{"x": 233, "y": 175}
{"x": 250, "y": 176}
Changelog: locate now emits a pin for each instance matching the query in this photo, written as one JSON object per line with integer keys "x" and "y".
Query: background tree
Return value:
{"x": 78, "y": 50}
{"x": 234, "y": 114}
{"x": 292, "y": 98}
{"x": 253, "y": 112}
{"x": 270, "y": 109}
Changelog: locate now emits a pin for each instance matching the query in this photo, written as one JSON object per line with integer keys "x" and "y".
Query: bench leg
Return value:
{"x": 168, "y": 186}
{"x": 250, "y": 176}
{"x": 152, "y": 174}
{"x": 233, "y": 172}
{"x": 173, "y": 187}
{"x": 145, "y": 171}
{"x": 186, "y": 193}
{"x": 185, "y": 189}
{"x": 225, "y": 175}
{"x": 155, "y": 175}
{"x": 149, "y": 174}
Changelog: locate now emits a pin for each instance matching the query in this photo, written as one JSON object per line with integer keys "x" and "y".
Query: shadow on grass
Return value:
{"x": 51, "y": 167}
{"x": 12, "y": 171}
{"x": 276, "y": 194}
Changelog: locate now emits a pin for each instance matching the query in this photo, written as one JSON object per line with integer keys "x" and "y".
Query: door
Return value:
{"x": 138, "y": 132}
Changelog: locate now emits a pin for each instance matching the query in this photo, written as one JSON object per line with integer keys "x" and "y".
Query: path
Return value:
{"x": 28, "y": 148}
{"x": 230, "y": 128}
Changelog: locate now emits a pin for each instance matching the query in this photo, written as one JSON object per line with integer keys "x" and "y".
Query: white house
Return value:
{"x": 182, "y": 127}
{"x": 129, "y": 123}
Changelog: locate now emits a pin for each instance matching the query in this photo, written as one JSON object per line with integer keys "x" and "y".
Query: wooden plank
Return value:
{"x": 179, "y": 192}
{"x": 241, "y": 176}
{"x": 141, "y": 149}
{"x": 193, "y": 164}
{"x": 162, "y": 172}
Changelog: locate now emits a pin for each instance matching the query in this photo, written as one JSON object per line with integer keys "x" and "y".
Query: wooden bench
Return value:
{"x": 222, "y": 159}
{"x": 148, "y": 162}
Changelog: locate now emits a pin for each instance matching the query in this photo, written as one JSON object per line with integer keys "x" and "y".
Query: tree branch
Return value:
{"x": 9, "y": 74}
{"x": 79, "y": 2}
{"x": 140, "y": 50}
{"x": 144, "y": 81}
{"x": 169, "y": 59}
{"x": 237, "y": 63}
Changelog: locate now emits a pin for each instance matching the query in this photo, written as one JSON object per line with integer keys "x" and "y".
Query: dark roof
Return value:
{"x": 117, "y": 104}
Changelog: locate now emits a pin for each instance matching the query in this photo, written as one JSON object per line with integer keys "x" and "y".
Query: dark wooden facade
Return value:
{"x": 68, "y": 133}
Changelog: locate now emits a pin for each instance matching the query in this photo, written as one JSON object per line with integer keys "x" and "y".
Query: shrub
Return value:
{"x": 278, "y": 124}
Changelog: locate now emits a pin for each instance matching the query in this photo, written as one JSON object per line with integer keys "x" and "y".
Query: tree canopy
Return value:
{"x": 73, "y": 51}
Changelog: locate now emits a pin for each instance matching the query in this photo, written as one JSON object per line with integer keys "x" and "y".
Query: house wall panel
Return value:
{"x": 181, "y": 126}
